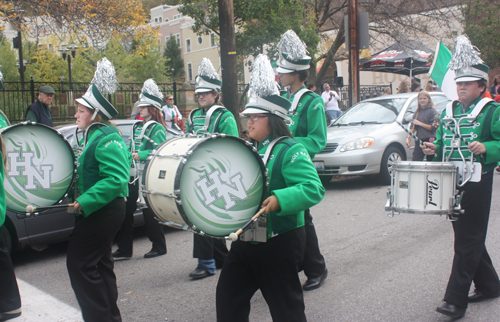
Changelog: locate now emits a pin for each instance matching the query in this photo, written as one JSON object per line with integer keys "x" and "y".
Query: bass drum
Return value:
{"x": 41, "y": 166}
{"x": 211, "y": 185}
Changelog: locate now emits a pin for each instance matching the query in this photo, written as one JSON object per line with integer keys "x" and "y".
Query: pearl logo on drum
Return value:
{"x": 431, "y": 185}
{"x": 213, "y": 189}
{"x": 24, "y": 161}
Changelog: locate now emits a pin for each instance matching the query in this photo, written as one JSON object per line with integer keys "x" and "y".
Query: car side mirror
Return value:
{"x": 408, "y": 118}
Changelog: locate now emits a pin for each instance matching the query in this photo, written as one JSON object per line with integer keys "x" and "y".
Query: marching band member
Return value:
{"x": 471, "y": 262}
{"x": 147, "y": 136}
{"x": 294, "y": 186}
{"x": 102, "y": 176}
{"x": 210, "y": 117}
{"x": 10, "y": 300}
{"x": 308, "y": 126}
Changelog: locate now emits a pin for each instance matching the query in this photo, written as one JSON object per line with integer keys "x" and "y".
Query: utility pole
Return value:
{"x": 228, "y": 57}
{"x": 353, "y": 34}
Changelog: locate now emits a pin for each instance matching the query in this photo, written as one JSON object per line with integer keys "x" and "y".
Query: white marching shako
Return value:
{"x": 211, "y": 185}
{"x": 41, "y": 166}
{"x": 423, "y": 188}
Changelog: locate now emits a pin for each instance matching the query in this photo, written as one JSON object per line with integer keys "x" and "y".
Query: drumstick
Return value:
{"x": 234, "y": 236}
{"x": 411, "y": 133}
{"x": 31, "y": 209}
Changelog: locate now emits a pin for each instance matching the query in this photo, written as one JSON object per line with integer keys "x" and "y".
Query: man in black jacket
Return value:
{"x": 39, "y": 111}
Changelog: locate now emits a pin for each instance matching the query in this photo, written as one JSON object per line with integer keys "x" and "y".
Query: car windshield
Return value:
{"x": 376, "y": 111}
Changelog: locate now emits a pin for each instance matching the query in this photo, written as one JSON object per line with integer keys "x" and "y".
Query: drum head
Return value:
{"x": 222, "y": 185}
{"x": 40, "y": 166}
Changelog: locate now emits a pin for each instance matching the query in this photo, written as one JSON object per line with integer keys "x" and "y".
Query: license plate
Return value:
{"x": 320, "y": 165}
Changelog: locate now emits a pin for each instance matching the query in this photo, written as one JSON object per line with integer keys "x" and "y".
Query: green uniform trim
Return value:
{"x": 156, "y": 132}
{"x": 3, "y": 203}
{"x": 103, "y": 169}
{"x": 308, "y": 124}
{"x": 294, "y": 181}
{"x": 485, "y": 129}
{"x": 225, "y": 124}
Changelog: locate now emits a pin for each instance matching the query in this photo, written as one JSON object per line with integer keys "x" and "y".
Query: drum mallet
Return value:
{"x": 31, "y": 209}
{"x": 234, "y": 236}
{"x": 411, "y": 133}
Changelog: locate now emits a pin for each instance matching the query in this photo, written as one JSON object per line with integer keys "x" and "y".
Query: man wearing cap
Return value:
{"x": 210, "y": 117}
{"x": 39, "y": 111}
{"x": 481, "y": 129}
{"x": 308, "y": 126}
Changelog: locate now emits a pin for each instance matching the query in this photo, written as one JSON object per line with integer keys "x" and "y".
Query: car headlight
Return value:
{"x": 357, "y": 144}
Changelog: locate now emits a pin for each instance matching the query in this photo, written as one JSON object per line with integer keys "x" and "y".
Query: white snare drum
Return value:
{"x": 423, "y": 188}
{"x": 212, "y": 185}
{"x": 40, "y": 168}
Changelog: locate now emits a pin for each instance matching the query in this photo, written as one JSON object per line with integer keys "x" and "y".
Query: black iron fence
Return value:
{"x": 16, "y": 97}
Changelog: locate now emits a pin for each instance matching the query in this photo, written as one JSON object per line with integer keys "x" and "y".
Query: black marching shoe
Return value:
{"x": 119, "y": 255}
{"x": 477, "y": 296}
{"x": 451, "y": 310}
{"x": 10, "y": 315}
{"x": 315, "y": 282}
{"x": 199, "y": 273}
{"x": 153, "y": 253}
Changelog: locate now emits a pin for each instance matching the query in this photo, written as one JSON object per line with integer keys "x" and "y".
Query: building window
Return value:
{"x": 159, "y": 19}
{"x": 188, "y": 45}
{"x": 190, "y": 71}
{"x": 212, "y": 40}
{"x": 167, "y": 39}
{"x": 156, "y": 19}
{"x": 200, "y": 40}
{"x": 178, "y": 38}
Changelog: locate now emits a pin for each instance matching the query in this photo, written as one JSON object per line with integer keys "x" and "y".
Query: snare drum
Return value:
{"x": 212, "y": 185}
{"x": 423, "y": 187}
{"x": 40, "y": 168}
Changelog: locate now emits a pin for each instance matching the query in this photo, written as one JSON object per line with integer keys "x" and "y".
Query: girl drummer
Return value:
{"x": 424, "y": 125}
{"x": 294, "y": 186}
{"x": 155, "y": 134}
{"x": 102, "y": 176}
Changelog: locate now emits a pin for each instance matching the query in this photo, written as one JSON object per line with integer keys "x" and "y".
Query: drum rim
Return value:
{"x": 180, "y": 168}
{"x": 73, "y": 157}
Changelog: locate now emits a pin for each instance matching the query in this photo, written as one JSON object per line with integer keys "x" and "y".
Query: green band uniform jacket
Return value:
{"x": 294, "y": 181}
{"x": 222, "y": 121}
{"x": 156, "y": 133}
{"x": 3, "y": 203}
{"x": 103, "y": 169}
{"x": 485, "y": 129}
{"x": 308, "y": 124}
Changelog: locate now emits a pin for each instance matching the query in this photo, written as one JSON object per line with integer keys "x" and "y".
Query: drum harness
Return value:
{"x": 257, "y": 231}
{"x": 137, "y": 167}
{"x": 208, "y": 117}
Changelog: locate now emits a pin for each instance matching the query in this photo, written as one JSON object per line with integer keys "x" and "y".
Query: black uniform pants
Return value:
{"x": 208, "y": 248}
{"x": 9, "y": 292}
{"x": 314, "y": 263}
{"x": 471, "y": 262}
{"x": 155, "y": 231}
{"x": 90, "y": 265}
{"x": 271, "y": 267}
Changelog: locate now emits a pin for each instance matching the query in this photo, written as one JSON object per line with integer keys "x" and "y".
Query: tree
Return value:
{"x": 480, "y": 20}
{"x": 95, "y": 19}
{"x": 8, "y": 62}
{"x": 173, "y": 60}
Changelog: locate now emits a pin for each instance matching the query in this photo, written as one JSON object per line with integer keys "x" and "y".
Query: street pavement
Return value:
{"x": 380, "y": 269}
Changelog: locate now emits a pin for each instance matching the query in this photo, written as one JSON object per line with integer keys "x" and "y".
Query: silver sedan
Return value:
{"x": 367, "y": 139}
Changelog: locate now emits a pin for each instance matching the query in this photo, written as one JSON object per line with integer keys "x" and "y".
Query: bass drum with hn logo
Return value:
{"x": 40, "y": 168}
{"x": 211, "y": 185}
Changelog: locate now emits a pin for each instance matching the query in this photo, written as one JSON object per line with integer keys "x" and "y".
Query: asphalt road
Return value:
{"x": 381, "y": 268}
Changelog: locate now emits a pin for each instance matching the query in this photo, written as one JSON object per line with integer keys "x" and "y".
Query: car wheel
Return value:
{"x": 325, "y": 179}
{"x": 391, "y": 155}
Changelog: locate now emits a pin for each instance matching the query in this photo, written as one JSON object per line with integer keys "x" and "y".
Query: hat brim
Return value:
{"x": 84, "y": 103}
{"x": 282, "y": 70}
{"x": 204, "y": 90}
{"x": 467, "y": 79}
{"x": 254, "y": 110}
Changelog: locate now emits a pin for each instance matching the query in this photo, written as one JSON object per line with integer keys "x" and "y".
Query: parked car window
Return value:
{"x": 380, "y": 111}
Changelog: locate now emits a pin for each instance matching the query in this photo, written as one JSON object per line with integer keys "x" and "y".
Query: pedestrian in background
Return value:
{"x": 331, "y": 99}
{"x": 39, "y": 111}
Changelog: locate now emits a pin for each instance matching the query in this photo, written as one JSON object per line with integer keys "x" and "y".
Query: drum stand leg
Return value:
{"x": 457, "y": 209}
